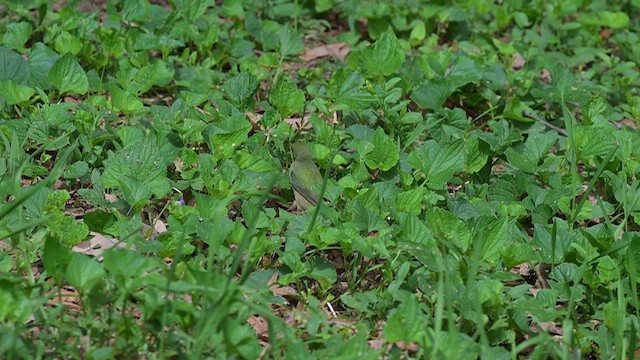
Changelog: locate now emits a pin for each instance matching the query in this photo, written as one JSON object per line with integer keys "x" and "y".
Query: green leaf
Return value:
{"x": 67, "y": 229}
{"x": 411, "y": 201}
{"x": 135, "y": 10}
{"x": 193, "y": 9}
{"x": 439, "y": 162}
{"x": 125, "y": 101}
{"x": 633, "y": 256}
{"x": 345, "y": 90}
{"x": 418, "y": 32}
{"x": 13, "y": 93}
{"x": 611, "y": 19}
{"x": 240, "y": 89}
{"x": 226, "y": 136}
{"x": 67, "y": 76}
{"x": 494, "y": 234}
{"x": 591, "y": 141}
{"x": 527, "y": 156}
{"x": 448, "y": 229}
{"x": 290, "y": 41}
{"x": 385, "y": 153}
{"x": 542, "y": 237}
{"x": 432, "y": 94}
{"x": 406, "y": 323}
{"x": 13, "y": 67}
{"x": 76, "y": 170}
{"x": 475, "y": 158}
{"x": 41, "y": 59}
{"x": 286, "y": 97}
{"x": 156, "y": 74}
{"x": 138, "y": 170}
{"x": 385, "y": 56}
{"x": 517, "y": 253}
{"x": 67, "y": 43}
{"x": 84, "y": 272}
{"x": 56, "y": 258}
{"x": 17, "y": 34}
{"x": 323, "y": 5}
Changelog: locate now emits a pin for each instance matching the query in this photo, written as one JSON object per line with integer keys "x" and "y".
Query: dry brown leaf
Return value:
{"x": 299, "y": 123}
{"x": 259, "y": 324}
{"x": 160, "y": 227}
{"x": 376, "y": 344}
{"x": 97, "y": 245}
{"x": 549, "y": 327}
{"x": 338, "y": 50}
{"x": 628, "y": 122}
{"x": 518, "y": 62}
{"x": 545, "y": 76}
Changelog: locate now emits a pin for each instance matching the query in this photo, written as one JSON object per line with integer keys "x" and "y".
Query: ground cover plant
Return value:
{"x": 479, "y": 192}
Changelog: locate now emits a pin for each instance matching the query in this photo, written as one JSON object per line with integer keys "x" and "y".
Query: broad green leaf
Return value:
{"x": 156, "y": 74}
{"x": 41, "y": 59}
{"x": 226, "y": 136}
{"x": 607, "y": 269}
{"x": 13, "y": 93}
{"x": 345, "y": 91}
{"x": 411, "y": 201}
{"x": 193, "y": 9}
{"x": 135, "y": 10}
{"x": 595, "y": 112}
{"x": 67, "y": 229}
{"x": 439, "y": 162}
{"x": 527, "y": 156}
{"x": 17, "y": 34}
{"x": 125, "y": 101}
{"x": 406, "y": 323}
{"x": 286, "y": 97}
{"x": 67, "y": 43}
{"x": 591, "y": 141}
{"x": 68, "y": 77}
{"x": 494, "y": 234}
{"x": 232, "y": 8}
{"x": 448, "y": 229}
{"x": 385, "y": 153}
{"x": 475, "y": 158}
{"x": 323, "y": 271}
{"x": 76, "y": 170}
{"x": 141, "y": 165}
{"x": 290, "y": 41}
{"x": 464, "y": 70}
{"x": 84, "y": 272}
{"x": 385, "y": 56}
{"x": 633, "y": 256}
{"x": 240, "y": 89}
{"x": 56, "y": 258}
{"x": 432, "y": 94}
{"x": 542, "y": 237}
{"x": 13, "y": 66}
{"x": 418, "y": 32}
{"x": 323, "y": 5}
{"x": 611, "y": 19}
{"x": 518, "y": 253}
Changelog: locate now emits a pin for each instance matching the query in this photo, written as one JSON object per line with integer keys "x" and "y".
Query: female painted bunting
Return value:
{"x": 305, "y": 177}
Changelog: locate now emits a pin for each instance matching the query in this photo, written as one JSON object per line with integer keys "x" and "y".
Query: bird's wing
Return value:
{"x": 309, "y": 193}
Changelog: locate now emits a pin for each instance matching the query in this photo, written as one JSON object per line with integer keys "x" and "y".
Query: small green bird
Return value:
{"x": 305, "y": 177}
